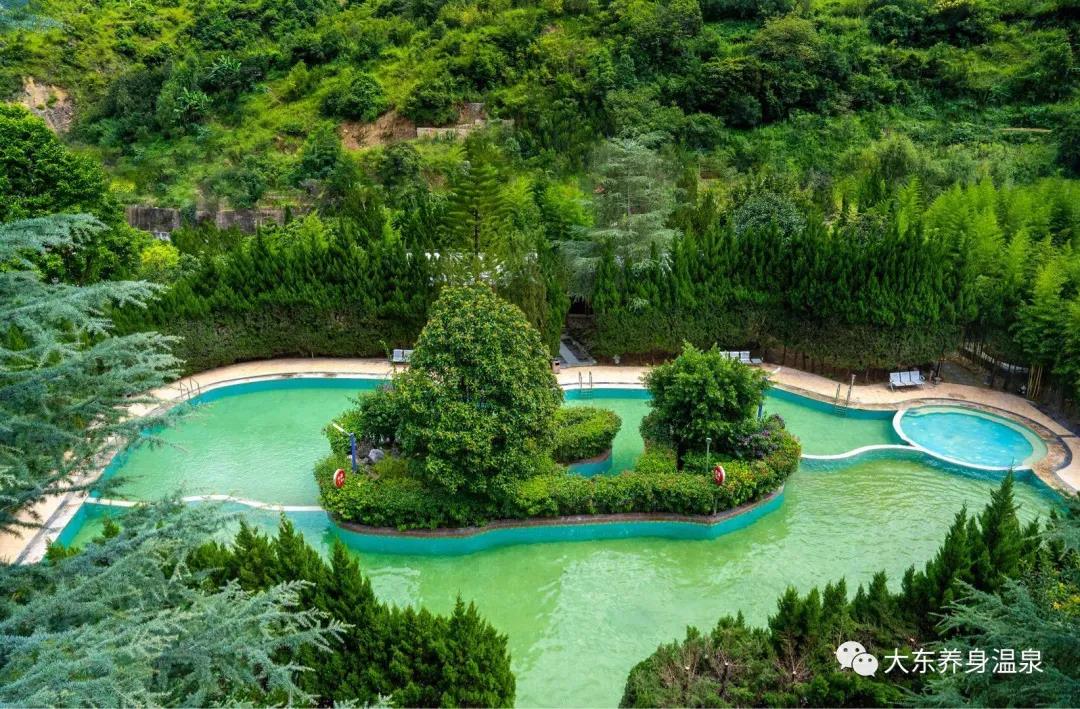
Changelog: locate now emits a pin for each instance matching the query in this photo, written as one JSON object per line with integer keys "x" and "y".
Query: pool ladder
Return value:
{"x": 842, "y": 409}
{"x": 585, "y": 393}
{"x": 189, "y": 392}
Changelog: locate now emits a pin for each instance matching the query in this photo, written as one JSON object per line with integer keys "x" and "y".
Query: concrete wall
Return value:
{"x": 162, "y": 221}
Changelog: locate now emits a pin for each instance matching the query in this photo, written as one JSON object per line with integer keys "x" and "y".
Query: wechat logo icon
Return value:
{"x": 853, "y": 656}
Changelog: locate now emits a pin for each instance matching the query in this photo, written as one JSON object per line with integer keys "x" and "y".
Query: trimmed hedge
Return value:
{"x": 857, "y": 346}
{"x": 583, "y": 432}
{"x": 654, "y": 485}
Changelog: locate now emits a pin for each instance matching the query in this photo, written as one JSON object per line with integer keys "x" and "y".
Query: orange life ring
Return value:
{"x": 339, "y": 477}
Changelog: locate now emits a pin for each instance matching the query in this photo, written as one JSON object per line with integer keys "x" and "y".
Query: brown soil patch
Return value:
{"x": 390, "y": 127}
{"x": 51, "y": 103}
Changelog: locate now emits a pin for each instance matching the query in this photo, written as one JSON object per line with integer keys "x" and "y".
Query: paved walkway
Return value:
{"x": 56, "y": 511}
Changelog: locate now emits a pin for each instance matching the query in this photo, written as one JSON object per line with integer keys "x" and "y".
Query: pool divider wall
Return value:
{"x": 467, "y": 540}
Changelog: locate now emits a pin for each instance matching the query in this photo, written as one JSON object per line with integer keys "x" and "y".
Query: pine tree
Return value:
{"x": 1002, "y": 540}
{"x": 66, "y": 381}
{"x": 127, "y": 621}
{"x": 477, "y": 218}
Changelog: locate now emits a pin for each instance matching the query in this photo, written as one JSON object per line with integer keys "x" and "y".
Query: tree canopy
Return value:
{"x": 478, "y": 402}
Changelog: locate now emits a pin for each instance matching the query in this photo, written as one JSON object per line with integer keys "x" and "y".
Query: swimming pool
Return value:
{"x": 970, "y": 436}
{"x": 260, "y": 440}
{"x": 849, "y": 518}
{"x": 580, "y": 614}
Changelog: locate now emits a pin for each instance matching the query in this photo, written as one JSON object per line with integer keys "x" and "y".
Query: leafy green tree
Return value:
{"x": 66, "y": 381}
{"x": 126, "y": 621}
{"x": 632, "y": 200}
{"x": 433, "y": 101}
{"x": 40, "y": 176}
{"x": 1035, "y": 612}
{"x": 320, "y": 157}
{"x": 356, "y": 96}
{"x": 479, "y": 399}
{"x": 700, "y": 395}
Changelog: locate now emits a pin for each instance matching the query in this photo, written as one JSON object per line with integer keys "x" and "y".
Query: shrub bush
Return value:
{"x": 654, "y": 485}
{"x": 356, "y": 96}
{"x": 583, "y": 432}
{"x": 702, "y": 395}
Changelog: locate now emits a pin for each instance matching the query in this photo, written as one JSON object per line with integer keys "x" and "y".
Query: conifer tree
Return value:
{"x": 477, "y": 215}
{"x": 128, "y": 621}
{"x": 66, "y": 381}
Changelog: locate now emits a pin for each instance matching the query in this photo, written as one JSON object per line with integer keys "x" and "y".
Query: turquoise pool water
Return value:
{"x": 628, "y": 592}
{"x": 580, "y": 614}
{"x": 972, "y": 436}
{"x": 822, "y": 429}
{"x": 827, "y": 430}
{"x": 257, "y": 441}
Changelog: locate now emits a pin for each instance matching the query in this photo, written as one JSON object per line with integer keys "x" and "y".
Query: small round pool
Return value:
{"x": 970, "y": 436}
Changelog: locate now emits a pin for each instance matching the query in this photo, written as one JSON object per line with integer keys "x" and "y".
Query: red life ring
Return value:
{"x": 339, "y": 477}
{"x": 718, "y": 475}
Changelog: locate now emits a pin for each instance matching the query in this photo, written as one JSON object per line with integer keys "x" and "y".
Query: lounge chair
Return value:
{"x": 401, "y": 356}
{"x": 912, "y": 378}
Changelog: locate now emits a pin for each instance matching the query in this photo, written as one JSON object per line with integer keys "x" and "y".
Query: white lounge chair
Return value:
{"x": 401, "y": 356}
{"x": 912, "y": 378}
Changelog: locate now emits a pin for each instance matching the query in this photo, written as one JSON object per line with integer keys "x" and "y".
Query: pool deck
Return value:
{"x": 1060, "y": 469}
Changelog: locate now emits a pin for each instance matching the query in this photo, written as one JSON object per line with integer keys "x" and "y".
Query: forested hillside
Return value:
{"x": 862, "y": 181}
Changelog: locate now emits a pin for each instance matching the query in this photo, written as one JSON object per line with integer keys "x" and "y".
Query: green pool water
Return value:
{"x": 580, "y": 614}
{"x": 256, "y": 441}
{"x": 631, "y": 405}
{"x": 823, "y": 432}
{"x": 260, "y": 441}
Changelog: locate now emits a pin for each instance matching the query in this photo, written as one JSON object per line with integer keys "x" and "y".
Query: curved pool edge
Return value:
{"x": 70, "y": 504}
{"x": 456, "y": 541}
{"x": 1025, "y": 429}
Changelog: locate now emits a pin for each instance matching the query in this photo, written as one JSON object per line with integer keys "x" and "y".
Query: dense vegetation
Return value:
{"x": 472, "y": 431}
{"x": 155, "y": 614}
{"x": 583, "y": 432}
{"x": 300, "y": 627}
{"x": 65, "y": 380}
{"x": 865, "y": 182}
{"x": 414, "y": 657}
{"x": 993, "y": 584}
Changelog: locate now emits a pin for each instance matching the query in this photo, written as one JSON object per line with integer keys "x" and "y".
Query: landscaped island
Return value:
{"x": 473, "y": 431}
